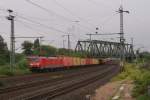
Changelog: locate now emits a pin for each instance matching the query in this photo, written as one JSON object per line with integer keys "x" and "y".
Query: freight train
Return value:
{"x": 60, "y": 62}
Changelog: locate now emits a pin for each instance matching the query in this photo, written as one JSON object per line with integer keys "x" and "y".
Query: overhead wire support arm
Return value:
{"x": 101, "y": 34}
{"x": 31, "y": 37}
{"x": 104, "y": 34}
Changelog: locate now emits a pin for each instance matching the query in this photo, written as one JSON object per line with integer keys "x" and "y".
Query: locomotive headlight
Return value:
{"x": 31, "y": 64}
{"x": 37, "y": 64}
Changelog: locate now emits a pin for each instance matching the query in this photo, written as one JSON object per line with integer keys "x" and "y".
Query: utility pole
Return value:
{"x": 12, "y": 39}
{"x": 122, "y": 39}
{"x": 90, "y": 36}
{"x": 64, "y": 43}
{"x": 69, "y": 44}
{"x": 40, "y": 38}
{"x": 96, "y": 33}
{"x": 132, "y": 42}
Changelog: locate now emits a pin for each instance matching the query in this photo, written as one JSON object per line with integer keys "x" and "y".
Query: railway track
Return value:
{"x": 52, "y": 88}
{"x": 65, "y": 89}
{"x": 23, "y": 79}
{"x": 36, "y": 83}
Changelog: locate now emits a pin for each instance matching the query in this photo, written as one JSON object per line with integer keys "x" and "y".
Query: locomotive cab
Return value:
{"x": 34, "y": 61}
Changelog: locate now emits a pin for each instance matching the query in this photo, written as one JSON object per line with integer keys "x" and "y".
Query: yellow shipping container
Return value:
{"x": 83, "y": 61}
{"x": 78, "y": 61}
{"x": 95, "y": 61}
{"x": 74, "y": 61}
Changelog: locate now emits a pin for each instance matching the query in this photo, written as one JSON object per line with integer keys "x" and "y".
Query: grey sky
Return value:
{"x": 90, "y": 13}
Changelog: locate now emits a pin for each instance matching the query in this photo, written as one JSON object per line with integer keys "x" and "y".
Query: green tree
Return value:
{"x": 36, "y": 44}
{"x": 63, "y": 51}
{"x": 4, "y": 53}
{"x": 36, "y": 47}
{"x": 27, "y": 47}
{"x": 47, "y": 50}
{"x": 145, "y": 55}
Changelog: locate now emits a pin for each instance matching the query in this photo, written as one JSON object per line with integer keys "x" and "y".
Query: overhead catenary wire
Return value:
{"x": 27, "y": 25}
{"x": 48, "y": 10}
{"x": 38, "y": 23}
{"x": 105, "y": 20}
{"x": 43, "y": 25}
{"x": 82, "y": 26}
{"x": 58, "y": 15}
{"x": 30, "y": 27}
{"x": 73, "y": 14}
{"x": 108, "y": 19}
{"x": 53, "y": 13}
{"x": 97, "y": 3}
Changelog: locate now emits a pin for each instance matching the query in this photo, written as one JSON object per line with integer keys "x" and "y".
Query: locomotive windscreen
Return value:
{"x": 33, "y": 59}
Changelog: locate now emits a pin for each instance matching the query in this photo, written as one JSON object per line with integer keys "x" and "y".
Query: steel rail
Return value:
{"x": 41, "y": 82}
{"x": 65, "y": 89}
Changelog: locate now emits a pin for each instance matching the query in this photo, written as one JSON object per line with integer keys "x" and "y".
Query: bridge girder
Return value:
{"x": 103, "y": 49}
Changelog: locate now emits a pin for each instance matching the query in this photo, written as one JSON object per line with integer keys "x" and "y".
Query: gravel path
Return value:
{"x": 119, "y": 90}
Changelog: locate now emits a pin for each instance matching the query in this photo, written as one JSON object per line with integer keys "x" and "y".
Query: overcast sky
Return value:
{"x": 76, "y": 17}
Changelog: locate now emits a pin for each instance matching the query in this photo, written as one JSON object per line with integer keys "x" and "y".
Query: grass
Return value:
{"x": 131, "y": 72}
{"x": 1, "y": 84}
{"x": 140, "y": 77}
{"x": 143, "y": 97}
{"x": 6, "y": 71}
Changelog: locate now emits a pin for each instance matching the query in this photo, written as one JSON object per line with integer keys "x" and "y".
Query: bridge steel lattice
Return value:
{"x": 104, "y": 49}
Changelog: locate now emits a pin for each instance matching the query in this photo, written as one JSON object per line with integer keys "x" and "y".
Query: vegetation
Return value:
{"x": 138, "y": 72}
{"x": 29, "y": 49}
{"x": 4, "y": 53}
{"x": 21, "y": 64}
{"x": 71, "y": 53}
{"x": 140, "y": 77}
{"x": 20, "y": 68}
{"x": 47, "y": 50}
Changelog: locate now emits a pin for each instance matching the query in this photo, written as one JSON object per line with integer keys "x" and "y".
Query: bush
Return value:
{"x": 141, "y": 78}
{"x": 5, "y": 70}
{"x": 1, "y": 84}
{"x": 130, "y": 72}
{"x": 22, "y": 64}
{"x": 141, "y": 83}
{"x": 20, "y": 68}
{"x": 143, "y": 97}
{"x": 2, "y": 61}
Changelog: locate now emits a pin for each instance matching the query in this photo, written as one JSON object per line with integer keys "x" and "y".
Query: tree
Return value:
{"x": 145, "y": 55}
{"x": 27, "y": 47}
{"x": 36, "y": 44}
{"x": 3, "y": 45}
{"x": 63, "y": 51}
{"x": 47, "y": 51}
{"x": 4, "y": 53}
